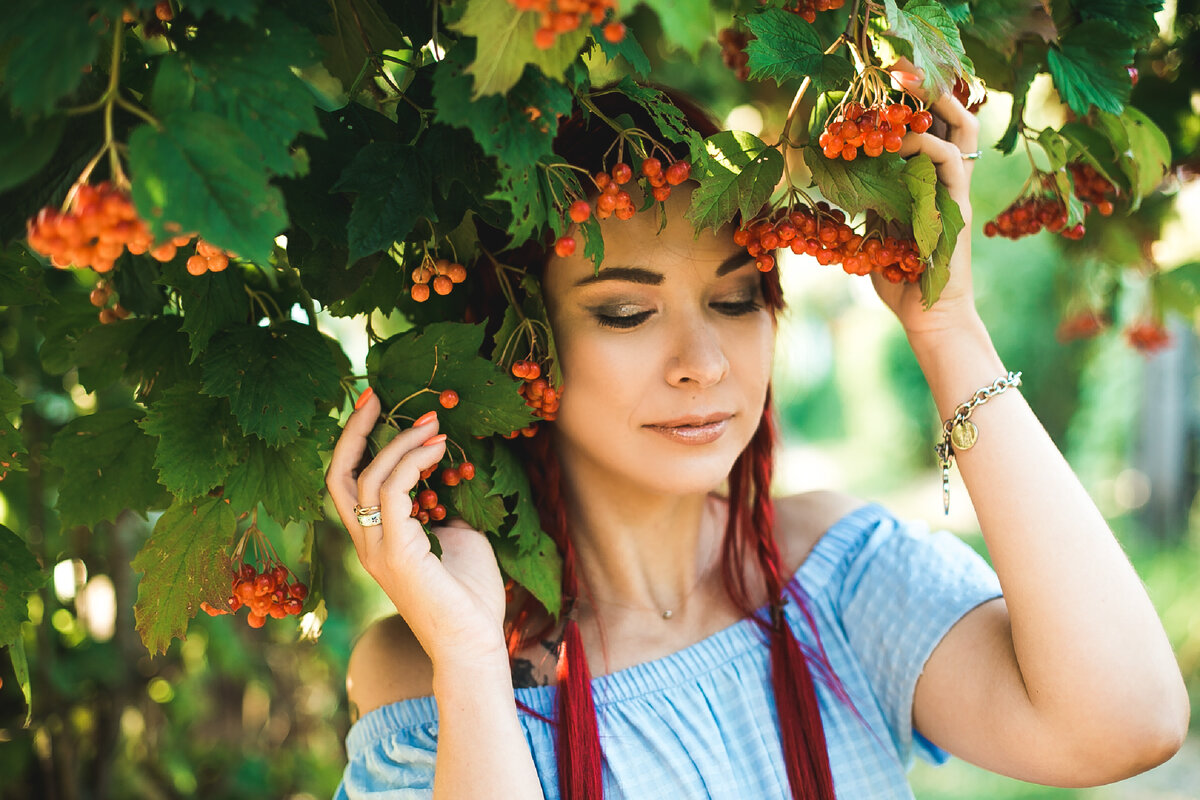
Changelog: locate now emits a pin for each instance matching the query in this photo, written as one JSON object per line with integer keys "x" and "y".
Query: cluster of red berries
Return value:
{"x": 426, "y": 506}
{"x": 808, "y": 9}
{"x": 100, "y": 224}
{"x": 877, "y": 129}
{"x": 1147, "y": 336}
{"x": 615, "y": 201}
{"x": 733, "y": 51}
{"x": 824, "y": 235}
{"x": 563, "y": 16}
{"x": 99, "y": 298}
{"x": 266, "y": 594}
{"x": 1028, "y": 215}
{"x": 1082, "y": 325}
{"x": 442, "y": 274}
{"x": 539, "y": 395}
{"x": 1092, "y": 188}
{"x": 208, "y": 258}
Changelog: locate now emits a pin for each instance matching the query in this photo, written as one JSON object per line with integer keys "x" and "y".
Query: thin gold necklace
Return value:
{"x": 665, "y": 613}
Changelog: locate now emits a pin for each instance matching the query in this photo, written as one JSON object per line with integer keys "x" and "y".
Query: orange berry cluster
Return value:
{"x": 266, "y": 594}
{"x": 563, "y": 16}
{"x": 100, "y": 296}
{"x": 452, "y": 476}
{"x": 876, "y": 130}
{"x": 824, "y": 235}
{"x": 442, "y": 274}
{"x": 538, "y": 393}
{"x": 1082, "y": 325}
{"x": 208, "y": 258}
{"x": 733, "y": 51}
{"x": 1147, "y": 336}
{"x": 426, "y": 507}
{"x": 807, "y": 9}
{"x": 100, "y": 224}
{"x": 1028, "y": 215}
{"x": 1092, "y": 188}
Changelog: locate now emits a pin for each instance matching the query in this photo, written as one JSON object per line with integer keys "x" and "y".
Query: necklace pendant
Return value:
{"x": 668, "y": 614}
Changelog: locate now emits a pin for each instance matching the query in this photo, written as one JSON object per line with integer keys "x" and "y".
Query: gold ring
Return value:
{"x": 368, "y": 517}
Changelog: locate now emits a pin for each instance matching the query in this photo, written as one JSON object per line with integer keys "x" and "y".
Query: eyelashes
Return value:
{"x": 737, "y": 309}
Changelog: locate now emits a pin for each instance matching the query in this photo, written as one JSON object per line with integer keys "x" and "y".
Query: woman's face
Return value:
{"x": 673, "y": 331}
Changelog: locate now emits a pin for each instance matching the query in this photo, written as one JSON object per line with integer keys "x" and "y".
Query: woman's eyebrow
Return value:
{"x": 652, "y": 278}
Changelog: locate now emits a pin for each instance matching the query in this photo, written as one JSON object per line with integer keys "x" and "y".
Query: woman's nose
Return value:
{"x": 699, "y": 355}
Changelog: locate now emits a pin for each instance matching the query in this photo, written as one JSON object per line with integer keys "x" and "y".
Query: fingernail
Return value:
{"x": 425, "y": 419}
{"x": 441, "y": 437}
{"x": 363, "y": 398}
{"x": 905, "y": 77}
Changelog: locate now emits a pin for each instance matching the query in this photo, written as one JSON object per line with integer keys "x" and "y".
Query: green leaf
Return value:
{"x": 12, "y": 446}
{"x": 1149, "y": 155}
{"x": 477, "y": 505}
{"x": 107, "y": 463}
{"x": 26, "y": 146}
{"x": 1028, "y": 65}
{"x": 667, "y": 117}
{"x": 508, "y": 474}
{"x": 538, "y": 569}
{"x": 788, "y": 48}
{"x": 273, "y": 377}
{"x": 202, "y": 172}
{"x": 628, "y": 48}
{"x": 49, "y": 44}
{"x": 246, "y": 77}
{"x": 20, "y": 574}
{"x": 346, "y": 46}
{"x": 1088, "y": 67}
{"x": 158, "y": 360}
{"x": 287, "y": 480}
{"x": 185, "y": 562}
{"x": 920, "y": 176}
{"x": 504, "y": 45}
{"x": 20, "y": 663}
{"x": 21, "y": 280}
{"x": 535, "y": 309}
{"x": 393, "y": 187}
{"x": 211, "y": 301}
{"x": 195, "y": 433}
{"x": 488, "y": 402}
{"x": 1134, "y": 17}
{"x": 738, "y": 173}
{"x": 937, "y": 272}
{"x": 1090, "y": 145}
{"x": 861, "y": 184}
{"x": 925, "y": 33}
{"x": 685, "y": 23}
{"x": 102, "y": 352}
{"x": 1055, "y": 148}
{"x": 593, "y": 241}
{"x": 1178, "y": 289}
{"x": 999, "y": 24}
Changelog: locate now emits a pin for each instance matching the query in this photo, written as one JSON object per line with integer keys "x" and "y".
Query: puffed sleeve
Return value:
{"x": 391, "y": 752}
{"x": 903, "y": 591}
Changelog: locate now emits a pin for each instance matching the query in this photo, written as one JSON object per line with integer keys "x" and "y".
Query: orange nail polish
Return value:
{"x": 441, "y": 437}
{"x": 425, "y": 419}
{"x": 905, "y": 77}
{"x": 363, "y": 398}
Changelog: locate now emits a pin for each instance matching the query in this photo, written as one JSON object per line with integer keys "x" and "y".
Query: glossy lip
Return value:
{"x": 695, "y": 429}
{"x": 694, "y": 420}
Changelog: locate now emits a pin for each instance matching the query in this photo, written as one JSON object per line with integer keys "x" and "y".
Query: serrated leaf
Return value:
{"x": 539, "y": 569}
{"x": 865, "y": 183}
{"x": 1134, "y": 17}
{"x": 999, "y": 24}
{"x": 195, "y": 436}
{"x": 201, "y": 172}
{"x": 504, "y": 45}
{"x": 354, "y": 24}
{"x": 20, "y": 574}
{"x": 476, "y": 504}
{"x": 107, "y": 463}
{"x": 593, "y": 241}
{"x": 668, "y": 118}
{"x": 185, "y": 562}
{"x": 685, "y": 23}
{"x": 211, "y": 301}
{"x": 786, "y": 48}
{"x": 287, "y": 480}
{"x": 529, "y": 201}
{"x": 738, "y": 173}
{"x": 392, "y": 186}
{"x": 21, "y": 280}
{"x": 273, "y": 377}
{"x": 1088, "y": 67}
{"x": 925, "y": 33}
{"x": 508, "y": 474}
{"x": 937, "y": 271}
{"x": 920, "y": 176}
{"x": 158, "y": 360}
{"x": 628, "y": 48}
{"x": 49, "y": 44}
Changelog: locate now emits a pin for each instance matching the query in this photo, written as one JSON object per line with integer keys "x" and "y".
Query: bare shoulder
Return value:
{"x": 387, "y": 665}
{"x": 802, "y": 519}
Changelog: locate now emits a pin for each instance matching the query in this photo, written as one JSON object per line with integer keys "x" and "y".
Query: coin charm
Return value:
{"x": 964, "y": 435}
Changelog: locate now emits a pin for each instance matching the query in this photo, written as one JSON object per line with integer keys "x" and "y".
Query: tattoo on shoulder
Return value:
{"x": 524, "y": 676}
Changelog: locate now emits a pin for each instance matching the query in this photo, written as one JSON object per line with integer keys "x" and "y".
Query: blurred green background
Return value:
{"x": 239, "y": 713}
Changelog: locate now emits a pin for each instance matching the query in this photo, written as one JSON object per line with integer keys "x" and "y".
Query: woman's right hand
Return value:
{"x": 453, "y": 605}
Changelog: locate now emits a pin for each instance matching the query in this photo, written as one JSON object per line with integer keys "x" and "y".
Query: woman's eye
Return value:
{"x": 738, "y": 308}
{"x": 622, "y": 321}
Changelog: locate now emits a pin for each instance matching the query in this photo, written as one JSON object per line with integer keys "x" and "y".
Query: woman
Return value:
{"x": 885, "y": 642}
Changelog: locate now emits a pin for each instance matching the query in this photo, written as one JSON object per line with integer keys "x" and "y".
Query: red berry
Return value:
{"x": 580, "y": 210}
{"x": 678, "y": 172}
{"x": 442, "y": 284}
{"x": 427, "y": 498}
{"x": 450, "y": 476}
{"x": 466, "y": 470}
{"x": 255, "y": 620}
{"x": 622, "y": 173}
{"x": 651, "y": 167}
{"x": 565, "y": 246}
{"x": 420, "y": 292}
{"x": 614, "y": 32}
{"x": 920, "y": 121}
{"x": 448, "y": 398}
{"x": 438, "y": 512}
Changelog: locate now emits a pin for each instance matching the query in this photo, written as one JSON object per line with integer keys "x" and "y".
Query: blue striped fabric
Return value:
{"x": 702, "y": 722}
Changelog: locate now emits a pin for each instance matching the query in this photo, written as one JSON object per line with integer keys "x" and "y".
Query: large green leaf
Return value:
{"x": 195, "y": 437}
{"x": 1134, "y": 17}
{"x": 786, "y": 48}
{"x": 107, "y": 463}
{"x": 392, "y": 185}
{"x": 1089, "y": 67}
{"x": 287, "y": 480}
{"x": 185, "y": 562}
{"x": 479, "y": 507}
{"x": 1149, "y": 156}
{"x": 504, "y": 45}
{"x": 738, "y": 173}
{"x": 865, "y": 183}
{"x": 274, "y": 377}
{"x": 211, "y": 301}
{"x": 925, "y": 33}
{"x": 203, "y": 173}
{"x": 49, "y": 44}
{"x": 25, "y": 147}
{"x": 920, "y": 176}
{"x": 628, "y": 48}
{"x": 937, "y": 272}
{"x": 538, "y": 569}
{"x": 353, "y": 25}
{"x": 686, "y": 23}
{"x": 20, "y": 573}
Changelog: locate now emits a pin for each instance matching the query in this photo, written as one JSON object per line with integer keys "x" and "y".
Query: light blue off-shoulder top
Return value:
{"x": 702, "y": 722}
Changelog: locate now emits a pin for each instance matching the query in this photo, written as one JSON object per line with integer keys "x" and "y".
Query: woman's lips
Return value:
{"x": 693, "y": 434}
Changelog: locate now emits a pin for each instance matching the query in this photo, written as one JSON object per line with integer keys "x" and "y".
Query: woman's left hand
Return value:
{"x": 956, "y": 304}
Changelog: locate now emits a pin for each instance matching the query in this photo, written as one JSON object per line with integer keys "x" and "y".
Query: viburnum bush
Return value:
{"x": 228, "y": 169}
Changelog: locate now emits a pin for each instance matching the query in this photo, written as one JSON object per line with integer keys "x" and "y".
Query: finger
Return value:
{"x": 385, "y": 462}
{"x": 964, "y": 127}
{"x": 399, "y": 528}
{"x": 351, "y": 446}
{"x": 946, "y": 156}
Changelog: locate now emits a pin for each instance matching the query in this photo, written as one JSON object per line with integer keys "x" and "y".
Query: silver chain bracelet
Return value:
{"x": 959, "y": 433}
